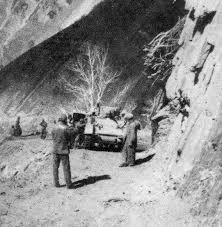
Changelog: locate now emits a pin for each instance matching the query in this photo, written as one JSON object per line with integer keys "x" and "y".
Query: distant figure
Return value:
{"x": 184, "y": 110}
{"x": 18, "y": 129}
{"x": 70, "y": 120}
{"x": 80, "y": 126}
{"x": 44, "y": 125}
{"x": 129, "y": 149}
{"x": 122, "y": 122}
{"x": 62, "y": 143}
{"x": 12, "y": 131}
{"x": 93, "y": 117}
{"x": 97, "y": 109}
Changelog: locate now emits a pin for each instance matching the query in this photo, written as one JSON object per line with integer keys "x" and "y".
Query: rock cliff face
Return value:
{"x": 195, "y": 139}
{"x": 24, "y": 24}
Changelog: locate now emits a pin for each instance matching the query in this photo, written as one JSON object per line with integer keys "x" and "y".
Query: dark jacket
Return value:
{"x": 62, "y": 139}
{"x": 131, "y": 133}
{"x": 18, "y": 129}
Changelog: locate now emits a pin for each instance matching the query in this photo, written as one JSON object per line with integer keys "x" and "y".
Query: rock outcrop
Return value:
{"x": 195, "y": 140}
{"x": 24, "y": 24}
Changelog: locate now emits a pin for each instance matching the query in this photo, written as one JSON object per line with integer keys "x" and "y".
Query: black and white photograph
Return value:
{"x": 111, "y": 113}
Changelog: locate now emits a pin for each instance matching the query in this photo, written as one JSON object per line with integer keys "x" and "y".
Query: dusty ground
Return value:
{"x": 103, "y": 194}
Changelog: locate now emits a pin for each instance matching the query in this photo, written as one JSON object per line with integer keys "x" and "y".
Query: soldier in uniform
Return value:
{"x": 18, "y": 129}
{"x": 62, "y": 142}
{"x": 44, "y": 125}
{"x": 129, "y": 149}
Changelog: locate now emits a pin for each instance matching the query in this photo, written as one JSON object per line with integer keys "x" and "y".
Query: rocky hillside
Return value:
{"x": 123, "y": 26}
{"x": 24, "y": 24}
{"x": 195, "y": 139}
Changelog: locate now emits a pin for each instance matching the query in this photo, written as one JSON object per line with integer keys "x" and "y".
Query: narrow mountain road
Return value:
{"x": 102, "y": 195}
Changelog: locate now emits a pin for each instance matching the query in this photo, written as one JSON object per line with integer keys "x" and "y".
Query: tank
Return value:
{"x": 104, "y": 133}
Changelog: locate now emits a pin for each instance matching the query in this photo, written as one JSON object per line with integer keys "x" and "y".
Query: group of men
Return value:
{"x": 64, "y": 138}
{"x": 16, "y": 130}
{"x": 68, "y": 134}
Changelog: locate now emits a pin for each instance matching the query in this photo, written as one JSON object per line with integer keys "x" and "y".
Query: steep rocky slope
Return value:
{"x": 123, "y": 26}
{"x": 195, "y": 139}
{"x": 24, "y": 24}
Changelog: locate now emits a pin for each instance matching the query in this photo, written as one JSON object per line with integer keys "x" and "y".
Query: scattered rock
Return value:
{"x": 52, "y": 14}
{"x": 2, "y": 167}
{"x": 20, "y": 186}
{"x": 3, "y": 211}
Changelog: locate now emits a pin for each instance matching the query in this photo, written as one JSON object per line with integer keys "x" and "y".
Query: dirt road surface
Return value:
{"x": 102, "y": 194}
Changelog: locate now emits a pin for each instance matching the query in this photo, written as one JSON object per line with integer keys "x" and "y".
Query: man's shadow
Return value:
{"x": 89, "y": 180}
{"x": 143, "y": 160}
{"x": 141, "y": 148}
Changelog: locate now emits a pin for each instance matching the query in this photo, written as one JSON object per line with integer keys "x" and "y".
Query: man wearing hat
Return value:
{"x": 62, "y": 142}
{"x": 129, "y": 149}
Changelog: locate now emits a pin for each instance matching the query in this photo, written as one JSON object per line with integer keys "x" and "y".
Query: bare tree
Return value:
{"x": 92, "y": 76}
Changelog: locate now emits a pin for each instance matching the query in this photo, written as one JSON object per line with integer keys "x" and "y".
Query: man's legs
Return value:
{"x": 76, "y": 143}
{"x": 154, "y": 128}
{"x": 56, "y": 162}
{"x": 124, "y": 156}
{"x": 81, "y": 139}
{"x": 131, "y": 155}
{"x": 43, "y": 133}
{"x": 66, "y": 170}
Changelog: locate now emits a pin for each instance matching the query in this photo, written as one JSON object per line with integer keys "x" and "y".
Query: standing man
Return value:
{"x": 129, "y": 149}
{"x": 70, "y": 120}
{"x": 18, "y": 129}
{"x": 62, "y": 142}
{"x": 44, "y": 125}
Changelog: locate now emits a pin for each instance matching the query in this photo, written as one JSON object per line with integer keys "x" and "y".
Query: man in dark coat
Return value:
{"x": 62, "y": 142}
{"x": 129, "y": 149}
{"x": 44, "y": 125}
{"x": 18, "y": 129}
